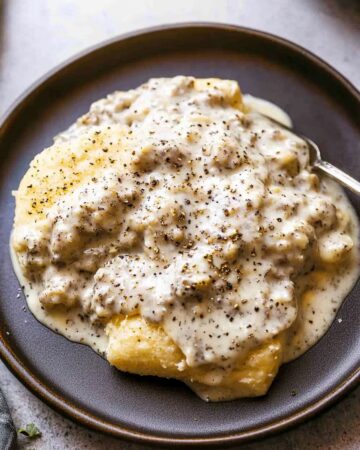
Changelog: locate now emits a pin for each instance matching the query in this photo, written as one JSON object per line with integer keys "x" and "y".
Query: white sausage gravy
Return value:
{"x": 212, "y": 226}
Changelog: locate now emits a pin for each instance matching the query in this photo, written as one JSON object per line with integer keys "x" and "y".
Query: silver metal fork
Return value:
{"x": 323, "y": 166}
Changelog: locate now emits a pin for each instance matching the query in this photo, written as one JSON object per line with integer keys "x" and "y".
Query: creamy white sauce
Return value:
{"x": 315, "y": 317}
{"x": 68, "y": 323}
{"x": 268, "y": 109}
{"x": 224, "y": 221}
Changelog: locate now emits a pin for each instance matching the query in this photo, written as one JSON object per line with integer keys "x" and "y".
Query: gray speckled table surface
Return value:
{"x": 35, "y": 35}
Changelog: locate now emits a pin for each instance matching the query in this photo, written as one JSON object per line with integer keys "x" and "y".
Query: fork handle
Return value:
{"x": 338, "y": 175}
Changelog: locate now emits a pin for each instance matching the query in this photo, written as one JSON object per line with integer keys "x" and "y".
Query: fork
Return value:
{"x": 323, "y": 166}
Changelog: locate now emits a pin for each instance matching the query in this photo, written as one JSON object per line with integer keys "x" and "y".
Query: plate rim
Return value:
{"x": 75, "y": 413}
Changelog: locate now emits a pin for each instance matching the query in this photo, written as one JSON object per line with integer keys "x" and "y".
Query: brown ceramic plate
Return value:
{"x": 71, "y": 377}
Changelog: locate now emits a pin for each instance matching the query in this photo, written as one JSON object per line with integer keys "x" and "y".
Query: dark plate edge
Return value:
{"x": 71, "y": 411}
{"x": 6, "y": 117}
